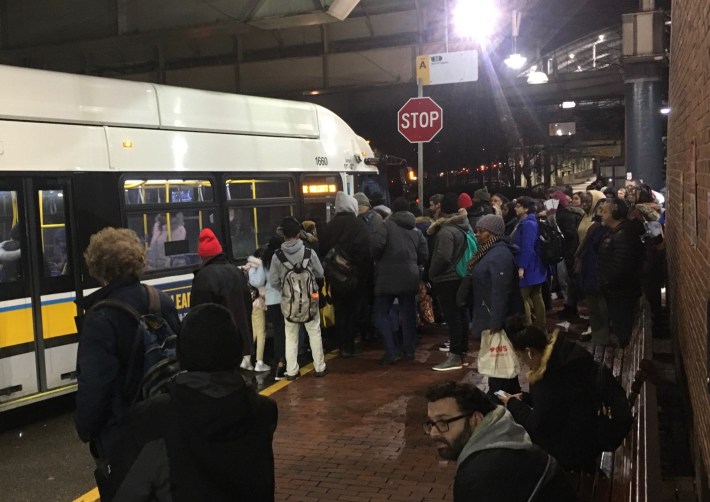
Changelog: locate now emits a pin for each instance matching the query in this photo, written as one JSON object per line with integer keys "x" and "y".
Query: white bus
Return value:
{"x": 81, "y": 153}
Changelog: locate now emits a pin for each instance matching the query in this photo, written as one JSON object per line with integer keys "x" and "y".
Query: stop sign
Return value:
{"x": 419, "y": 120}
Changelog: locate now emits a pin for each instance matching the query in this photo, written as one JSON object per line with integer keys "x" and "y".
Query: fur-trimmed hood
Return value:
{"x": 452, "y": 219}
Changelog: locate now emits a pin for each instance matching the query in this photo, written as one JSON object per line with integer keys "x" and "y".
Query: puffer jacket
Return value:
{"x": 560, "y": 413}
{"x": 449, "y": 234}
{"x": 106, "y": 336}
{"x": 399, "y": 249}
{"x": 620, "y": 260}
{"x": 496, "y": 294}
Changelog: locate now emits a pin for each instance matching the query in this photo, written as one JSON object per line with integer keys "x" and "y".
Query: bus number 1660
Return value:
{"x": 321, "y": 161}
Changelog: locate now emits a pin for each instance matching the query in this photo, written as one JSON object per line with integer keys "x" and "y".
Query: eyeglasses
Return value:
{"x": 442, "y": 425}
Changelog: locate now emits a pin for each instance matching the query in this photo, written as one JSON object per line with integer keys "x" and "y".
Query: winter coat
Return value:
{"x": 399, "y": 249}
{"x": 294, "y": 251}
{"x": 449, "y": 234}
{"x": 560, "y": 413}
{"x": 587, "y": 219}
{"x": 496, "y": 294}
{"x": 106, "y": 337}
{"x": 209, "y": 438}
{"x": 372, "y": 219}
{"x": 587, "y": 258}
{"x": 620, "y": 260}
{"x": 526, "y": 237}
{"x": 352, "y": 236}
{"x": 501, "y": 464}
{"x": 218, "y": 281}
{"x": 568, "y": 221}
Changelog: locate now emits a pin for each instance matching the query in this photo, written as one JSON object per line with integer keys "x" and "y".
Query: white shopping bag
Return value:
{"x": 496, "y": 357}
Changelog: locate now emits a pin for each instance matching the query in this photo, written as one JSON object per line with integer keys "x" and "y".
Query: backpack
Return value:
{"x": 156, "y": 339}
{"x": 552, "y": 242}
{"x": 299, "y": 291}
{"x": 340, "y": 271}
{"x": 471, "y": 246}
{"x": 614, "y": 419}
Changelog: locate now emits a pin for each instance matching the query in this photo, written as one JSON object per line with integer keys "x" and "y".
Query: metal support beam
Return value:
{"x": 237, "y": 64}
{"x": 325, "y": 57}
{"x": 121, "y": 17}
{"x": 160, "y": 66}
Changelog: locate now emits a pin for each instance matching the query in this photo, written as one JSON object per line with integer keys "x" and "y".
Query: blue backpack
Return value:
{"x": 158, "y": 342}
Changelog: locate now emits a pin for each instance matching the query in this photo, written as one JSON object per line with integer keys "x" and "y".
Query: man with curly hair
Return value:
{"x": 116, "y": 258}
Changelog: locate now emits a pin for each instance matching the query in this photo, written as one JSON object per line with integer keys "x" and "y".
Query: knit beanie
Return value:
{"x": 207, "y": 244}
{"x": 493, "y": 223}
{"x": 482, "y": 194}
{"x": 362, "y": 199}
{"x": 450, "y": 203}
{"x": 209, "y": 340}
{"x": 464, "y": 201}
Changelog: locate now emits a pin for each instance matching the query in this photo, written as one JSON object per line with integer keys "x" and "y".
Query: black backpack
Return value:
{"x": 614, "y": 419}
{"x": 552, "y": 242}
{"x": 340, "y": 271}
{"x": 156, "y": 339}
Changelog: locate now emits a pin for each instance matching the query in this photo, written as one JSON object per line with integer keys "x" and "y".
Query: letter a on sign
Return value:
{"x": 423, "y": 69}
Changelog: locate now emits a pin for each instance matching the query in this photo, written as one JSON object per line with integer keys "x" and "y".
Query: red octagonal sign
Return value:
{"x": 419, "y": 120}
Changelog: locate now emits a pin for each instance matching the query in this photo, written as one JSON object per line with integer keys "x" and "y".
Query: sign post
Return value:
{"x": 419, "y": 120}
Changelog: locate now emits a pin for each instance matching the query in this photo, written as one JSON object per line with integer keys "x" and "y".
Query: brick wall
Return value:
{"x": 687, "y": 224}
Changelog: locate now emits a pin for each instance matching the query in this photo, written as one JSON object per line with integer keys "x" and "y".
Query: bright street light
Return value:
{"x": 537, "y": 77}
{"x": 568, "y": 104}
{"x": 665, "y": 110}
{"x": 476, "y": 19}
{"x": 515, "y": 61}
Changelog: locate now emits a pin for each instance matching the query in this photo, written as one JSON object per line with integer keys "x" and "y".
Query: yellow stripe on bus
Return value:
{"x": 58, "y": 319}
{"x": 16, "y": 327}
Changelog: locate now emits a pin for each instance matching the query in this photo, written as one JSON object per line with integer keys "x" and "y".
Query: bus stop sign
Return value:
{"x": 419, "y": 120}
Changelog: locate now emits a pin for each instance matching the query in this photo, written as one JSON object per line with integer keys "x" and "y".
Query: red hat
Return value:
{"x": 465, "y": 201}
{"x": 208, "y": 244}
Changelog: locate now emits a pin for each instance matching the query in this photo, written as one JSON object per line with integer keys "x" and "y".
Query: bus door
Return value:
{"x": 37, "y": 332}
{"x": 319, "y": 196}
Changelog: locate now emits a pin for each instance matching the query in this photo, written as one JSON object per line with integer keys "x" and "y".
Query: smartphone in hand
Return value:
{"x": 501, "y": 393}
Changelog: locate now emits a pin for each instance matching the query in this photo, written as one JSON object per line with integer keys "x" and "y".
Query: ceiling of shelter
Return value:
{"x": 353, "y": 56}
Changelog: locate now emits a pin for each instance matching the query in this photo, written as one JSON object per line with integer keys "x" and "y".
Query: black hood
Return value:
{"x": 404, "y": 219}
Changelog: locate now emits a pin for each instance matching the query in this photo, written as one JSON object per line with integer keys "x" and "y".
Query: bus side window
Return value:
{"x": 54, "y": 234}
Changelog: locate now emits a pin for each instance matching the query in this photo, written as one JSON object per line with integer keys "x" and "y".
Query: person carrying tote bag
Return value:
{"x": 495, "y": 292}
{"x": 497, "y": 358}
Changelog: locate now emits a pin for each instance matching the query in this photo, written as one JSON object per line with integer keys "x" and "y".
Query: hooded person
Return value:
{"x": 372, "y": 218}
{"x": 218, "y": 281}
{"x": 495, "y": 458}
{"x": 210, "y": 436}
{"x": 589, "y": 204}
{"x": 399, "y": 249}
{"x": 449, "y": 243}
{"x": 350, "y": 235}
{"x": 480, "y": 206}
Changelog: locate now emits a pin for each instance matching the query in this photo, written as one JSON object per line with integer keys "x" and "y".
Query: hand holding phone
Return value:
{"x": 501, "y": 393}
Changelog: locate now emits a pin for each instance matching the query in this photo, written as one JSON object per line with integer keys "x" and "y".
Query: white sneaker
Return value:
{"x": 246, "y": 364}
{"x": 261, "y": 366}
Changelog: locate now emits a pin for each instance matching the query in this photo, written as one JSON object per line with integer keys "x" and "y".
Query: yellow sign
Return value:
{"x": 423, "y": 69}
{"x": 319, "y": 189}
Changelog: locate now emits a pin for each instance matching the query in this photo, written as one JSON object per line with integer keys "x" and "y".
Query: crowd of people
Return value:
{"x": 477, "y": 260}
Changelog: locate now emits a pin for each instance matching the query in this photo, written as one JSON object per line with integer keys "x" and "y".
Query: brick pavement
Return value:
{"x": 356, "y": 434}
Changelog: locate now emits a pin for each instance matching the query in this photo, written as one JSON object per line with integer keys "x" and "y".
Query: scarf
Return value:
{"x": 481, "y": 252}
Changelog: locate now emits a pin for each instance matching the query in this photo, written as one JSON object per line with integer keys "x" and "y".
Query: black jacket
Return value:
{"x": 560, "y": 411}
{"x": 568, "y": 221}
{"x": 399, "y": 249}
{"x": 351, "y": 234}
{"x": 106, "y": 336}
{"x": 620, "y": 260}
{"x": 210, "y": 438}
{"x": 218, "y": 281}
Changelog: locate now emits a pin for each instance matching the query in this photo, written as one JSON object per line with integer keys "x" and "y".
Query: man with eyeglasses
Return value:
{"x": 496, "y": 460}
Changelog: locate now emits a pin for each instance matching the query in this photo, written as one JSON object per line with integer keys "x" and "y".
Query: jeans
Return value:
{"x": 408, "y": 316}
{"x": 455, "y": 317}
{"x": 314, "y": 338}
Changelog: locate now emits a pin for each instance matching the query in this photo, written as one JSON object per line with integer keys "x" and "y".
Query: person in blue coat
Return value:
{"x": 532, "y": 273}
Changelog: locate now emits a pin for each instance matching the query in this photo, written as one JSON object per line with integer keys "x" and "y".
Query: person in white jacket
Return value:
{"x": 257, "y": 279}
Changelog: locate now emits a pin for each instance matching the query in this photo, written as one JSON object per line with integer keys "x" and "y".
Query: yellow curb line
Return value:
{"x": 93, "y": 495}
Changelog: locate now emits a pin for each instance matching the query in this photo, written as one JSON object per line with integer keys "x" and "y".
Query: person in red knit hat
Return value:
{"x": 218, "y": 281}
{"x": 464, "y": 201}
